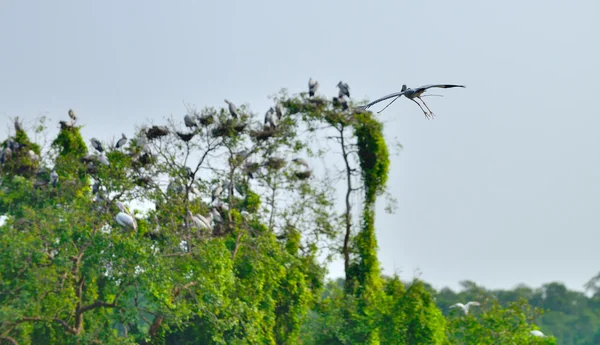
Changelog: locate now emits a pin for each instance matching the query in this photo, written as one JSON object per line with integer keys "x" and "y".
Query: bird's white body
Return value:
{"x": 465, "y": 307}
{"x": 216, "y": 193}
{"x": 537, "y": 333}
{"x": 216, "y": 215}
{"x": 103, "y": 160}
{"x": 279, "y": 110}
{"x": 126, "y": 220}
{"x": 189, "y": 121}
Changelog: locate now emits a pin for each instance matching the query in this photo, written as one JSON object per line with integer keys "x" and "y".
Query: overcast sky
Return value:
{"x": 501, "y": 188}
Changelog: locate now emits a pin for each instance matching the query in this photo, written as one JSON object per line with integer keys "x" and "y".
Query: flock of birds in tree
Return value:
{"x": 271, "y": 120}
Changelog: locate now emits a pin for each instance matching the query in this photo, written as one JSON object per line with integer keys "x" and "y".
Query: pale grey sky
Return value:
{"x": 501, "y": 188}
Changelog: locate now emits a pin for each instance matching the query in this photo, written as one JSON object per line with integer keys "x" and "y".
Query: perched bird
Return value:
{"x": 216, "y": 215}
{"x": 411, "y": 94}
{"x": 216, "y": 193}
{"x": 232, "y": 109}
{"x": 189, "y": 121}
{"x": 96, "y": 187}
{"x": 121, "y": 141}
{"x": 199, "y": 222}
{"x": 72, "y": 115}
{"x": 537, "y": 333}
{"x": 189, "y": 172}
{"x": 270, "y": 119}
{"x": 341, "y": 101}
{"x": 97, "y": 144}
{"x": 185, "y": 136}
{"x": 313, "y": 85}
{"x": 465, "y": 307}
{"x": 102, "y": 158}
{"x": 344, "y": 89}
{"x": 32, "y": 156}
{"x": 301, "y": 161}
{"x": 279, "y": 110}
{"x": 124, "y": 218}
{"x": 53, "y": 178}
{"x": 18, "y": 127}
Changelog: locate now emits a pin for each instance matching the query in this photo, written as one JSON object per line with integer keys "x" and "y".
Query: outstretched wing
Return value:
{"x": 441, "y": 86}
{"x": 475, "y": 303}
{"x": 391, "y": 95}
{"x": 460, "y": 305}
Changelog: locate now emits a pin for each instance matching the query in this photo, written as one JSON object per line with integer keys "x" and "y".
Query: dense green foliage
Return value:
{"x": 79, "y": 267}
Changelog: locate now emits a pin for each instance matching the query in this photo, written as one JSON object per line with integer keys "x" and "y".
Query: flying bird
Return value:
{"x": 465, "y": 307}
{"x": 411, "y": 94}
{"x": 232, "y": 109}
{"x": 313, "y": 85}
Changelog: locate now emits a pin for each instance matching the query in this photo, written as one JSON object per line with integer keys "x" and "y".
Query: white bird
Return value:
{"x": 537, "y": 333}
{"x": 279, "y": 110}
{"x": 313, "y": 85}
{"x": 124, "y": 218}
{"x": 216, "y": 193}
{"x": 32, "y": 156}
{"x": 53, "y": 178}
{"x": 102, "y": 158}
{"x": 411, "y": 94}
{"x": 189, "y": 121}
{"x": 465, "y": 307}
{"x": 121, "y": 141}
{"x": 232, "y": 109}
{"x": 97, "y": 144}
{"x": 216, "y": 215}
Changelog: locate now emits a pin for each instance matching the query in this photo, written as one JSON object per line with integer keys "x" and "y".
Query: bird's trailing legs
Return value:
{"x": 430, "y": 112}
{"x": 424, "y": 112}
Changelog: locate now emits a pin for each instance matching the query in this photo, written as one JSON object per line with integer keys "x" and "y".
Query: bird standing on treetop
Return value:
{"x": 411, "y": 94}
{"x": 232, "y": 109}
{"x": 189, "y": 121}
{"x": 344, "y": 89}
{"x": 97, "y": 144}
{"x": 313, "y": 85}
{"x": 121, "y": 141}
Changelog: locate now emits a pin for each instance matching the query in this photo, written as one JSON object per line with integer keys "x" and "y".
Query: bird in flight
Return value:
{"x": 465, "y": 307}
{"x": 410, "y": 94}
